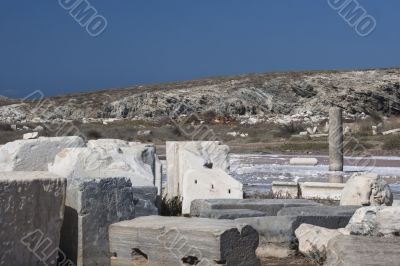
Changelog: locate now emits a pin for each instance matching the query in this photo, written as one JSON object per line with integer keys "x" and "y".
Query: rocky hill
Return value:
{"x": 262, "y": 96}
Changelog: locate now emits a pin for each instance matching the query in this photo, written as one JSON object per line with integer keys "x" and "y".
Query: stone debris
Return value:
{"x": 171, "y": 241}
{"x": 34, "y": 154}
{"x": 375, "y": 221}
{"x": 144, "y": 133}
{"x": 361, "y": 251}
{"x": 390, "y": 132}
{"x": 33, "y": 135}
{"x": 277, "y": 233}
{"x": 313, "y": 240}
{"x": 366, "y": 189}
{"x": 31, "y": 214}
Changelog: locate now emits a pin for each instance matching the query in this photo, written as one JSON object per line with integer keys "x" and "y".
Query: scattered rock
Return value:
{"x": 32, "y": 135}
{"x": 375, "y": 221}
{"x": 390, "y": 132}
{"x": 144, "y": 133}
{"x": 38, "y": 129}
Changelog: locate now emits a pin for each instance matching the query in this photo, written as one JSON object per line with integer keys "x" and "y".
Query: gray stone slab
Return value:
{"x": 319, "y": 211}
{"x": 94, "y": 204}
{"x": 268, "y": 206}
{"x": 171, "y": 241}
{"x": 277, "y": 233}
{"x": 31, "y": 214}
{"x": 230, "y": 214}
{"x": 361, "y": 251}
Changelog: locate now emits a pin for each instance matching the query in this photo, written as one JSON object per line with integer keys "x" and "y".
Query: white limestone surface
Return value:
{"x": 34, "y": 154}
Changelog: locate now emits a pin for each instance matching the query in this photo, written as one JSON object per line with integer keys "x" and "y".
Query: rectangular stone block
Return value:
{"x": 185, "y": 155}
{"x": 361, "y": 251}
{"x": 171, "y": 241}
{"x": 268, "y": 206}
{"x": 208, "y": 184}
{"x": 31, "y": 214}
{"x": 285, "y": 189}
{"x": 91, "y": 206}
{"x": 321, "y": 190}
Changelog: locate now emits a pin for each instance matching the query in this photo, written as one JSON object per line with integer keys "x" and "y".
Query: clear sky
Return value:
{"x": 148, "y": 41}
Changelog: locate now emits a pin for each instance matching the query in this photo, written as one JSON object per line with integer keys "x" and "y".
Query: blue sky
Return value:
{"x": 147, "y": 41}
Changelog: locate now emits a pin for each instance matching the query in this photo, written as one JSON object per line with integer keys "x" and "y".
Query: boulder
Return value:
{"x": 361, "y": 251}
{"x": 375, "y": 221}
{"x": 366, "y": 189}
{"x": 31, "y": 215}
{"x": 192, "y": 155}
{"x": 230, "y": 214}
{"x": 208, "y": 184}
{"x": 313, "y": 240}
{"x": 268, "y": 206}
{"x": 170, "y": 241}
{"x": 34, "y": 154}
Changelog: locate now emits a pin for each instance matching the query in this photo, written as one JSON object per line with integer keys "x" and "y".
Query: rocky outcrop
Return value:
{"x": 280, "y": 96}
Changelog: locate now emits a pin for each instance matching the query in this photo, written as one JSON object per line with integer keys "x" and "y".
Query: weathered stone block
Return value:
{"x": 34, "y": 154}
{"x": 268, "y": 206}
{"x": 313, "y": 240}
{"x": 170, "y": 241}
{"x": 100, "y": 162}
{"x": 361, "y": 251}
{"x": 183, "y": 156}
{"x": 208, "y": 184}
{"x": 375, "y": 221}
{"x": 321, "y": 190}
{"x": 91, "y": 206}
{"x": 31, "y": 214}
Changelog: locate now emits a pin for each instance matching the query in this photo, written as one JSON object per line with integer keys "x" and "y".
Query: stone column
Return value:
{"x": 335, "y": 139}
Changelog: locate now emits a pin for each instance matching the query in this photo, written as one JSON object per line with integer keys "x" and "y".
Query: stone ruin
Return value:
{"x": 95, "y": 204}
{"x": 199, "y": 170}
